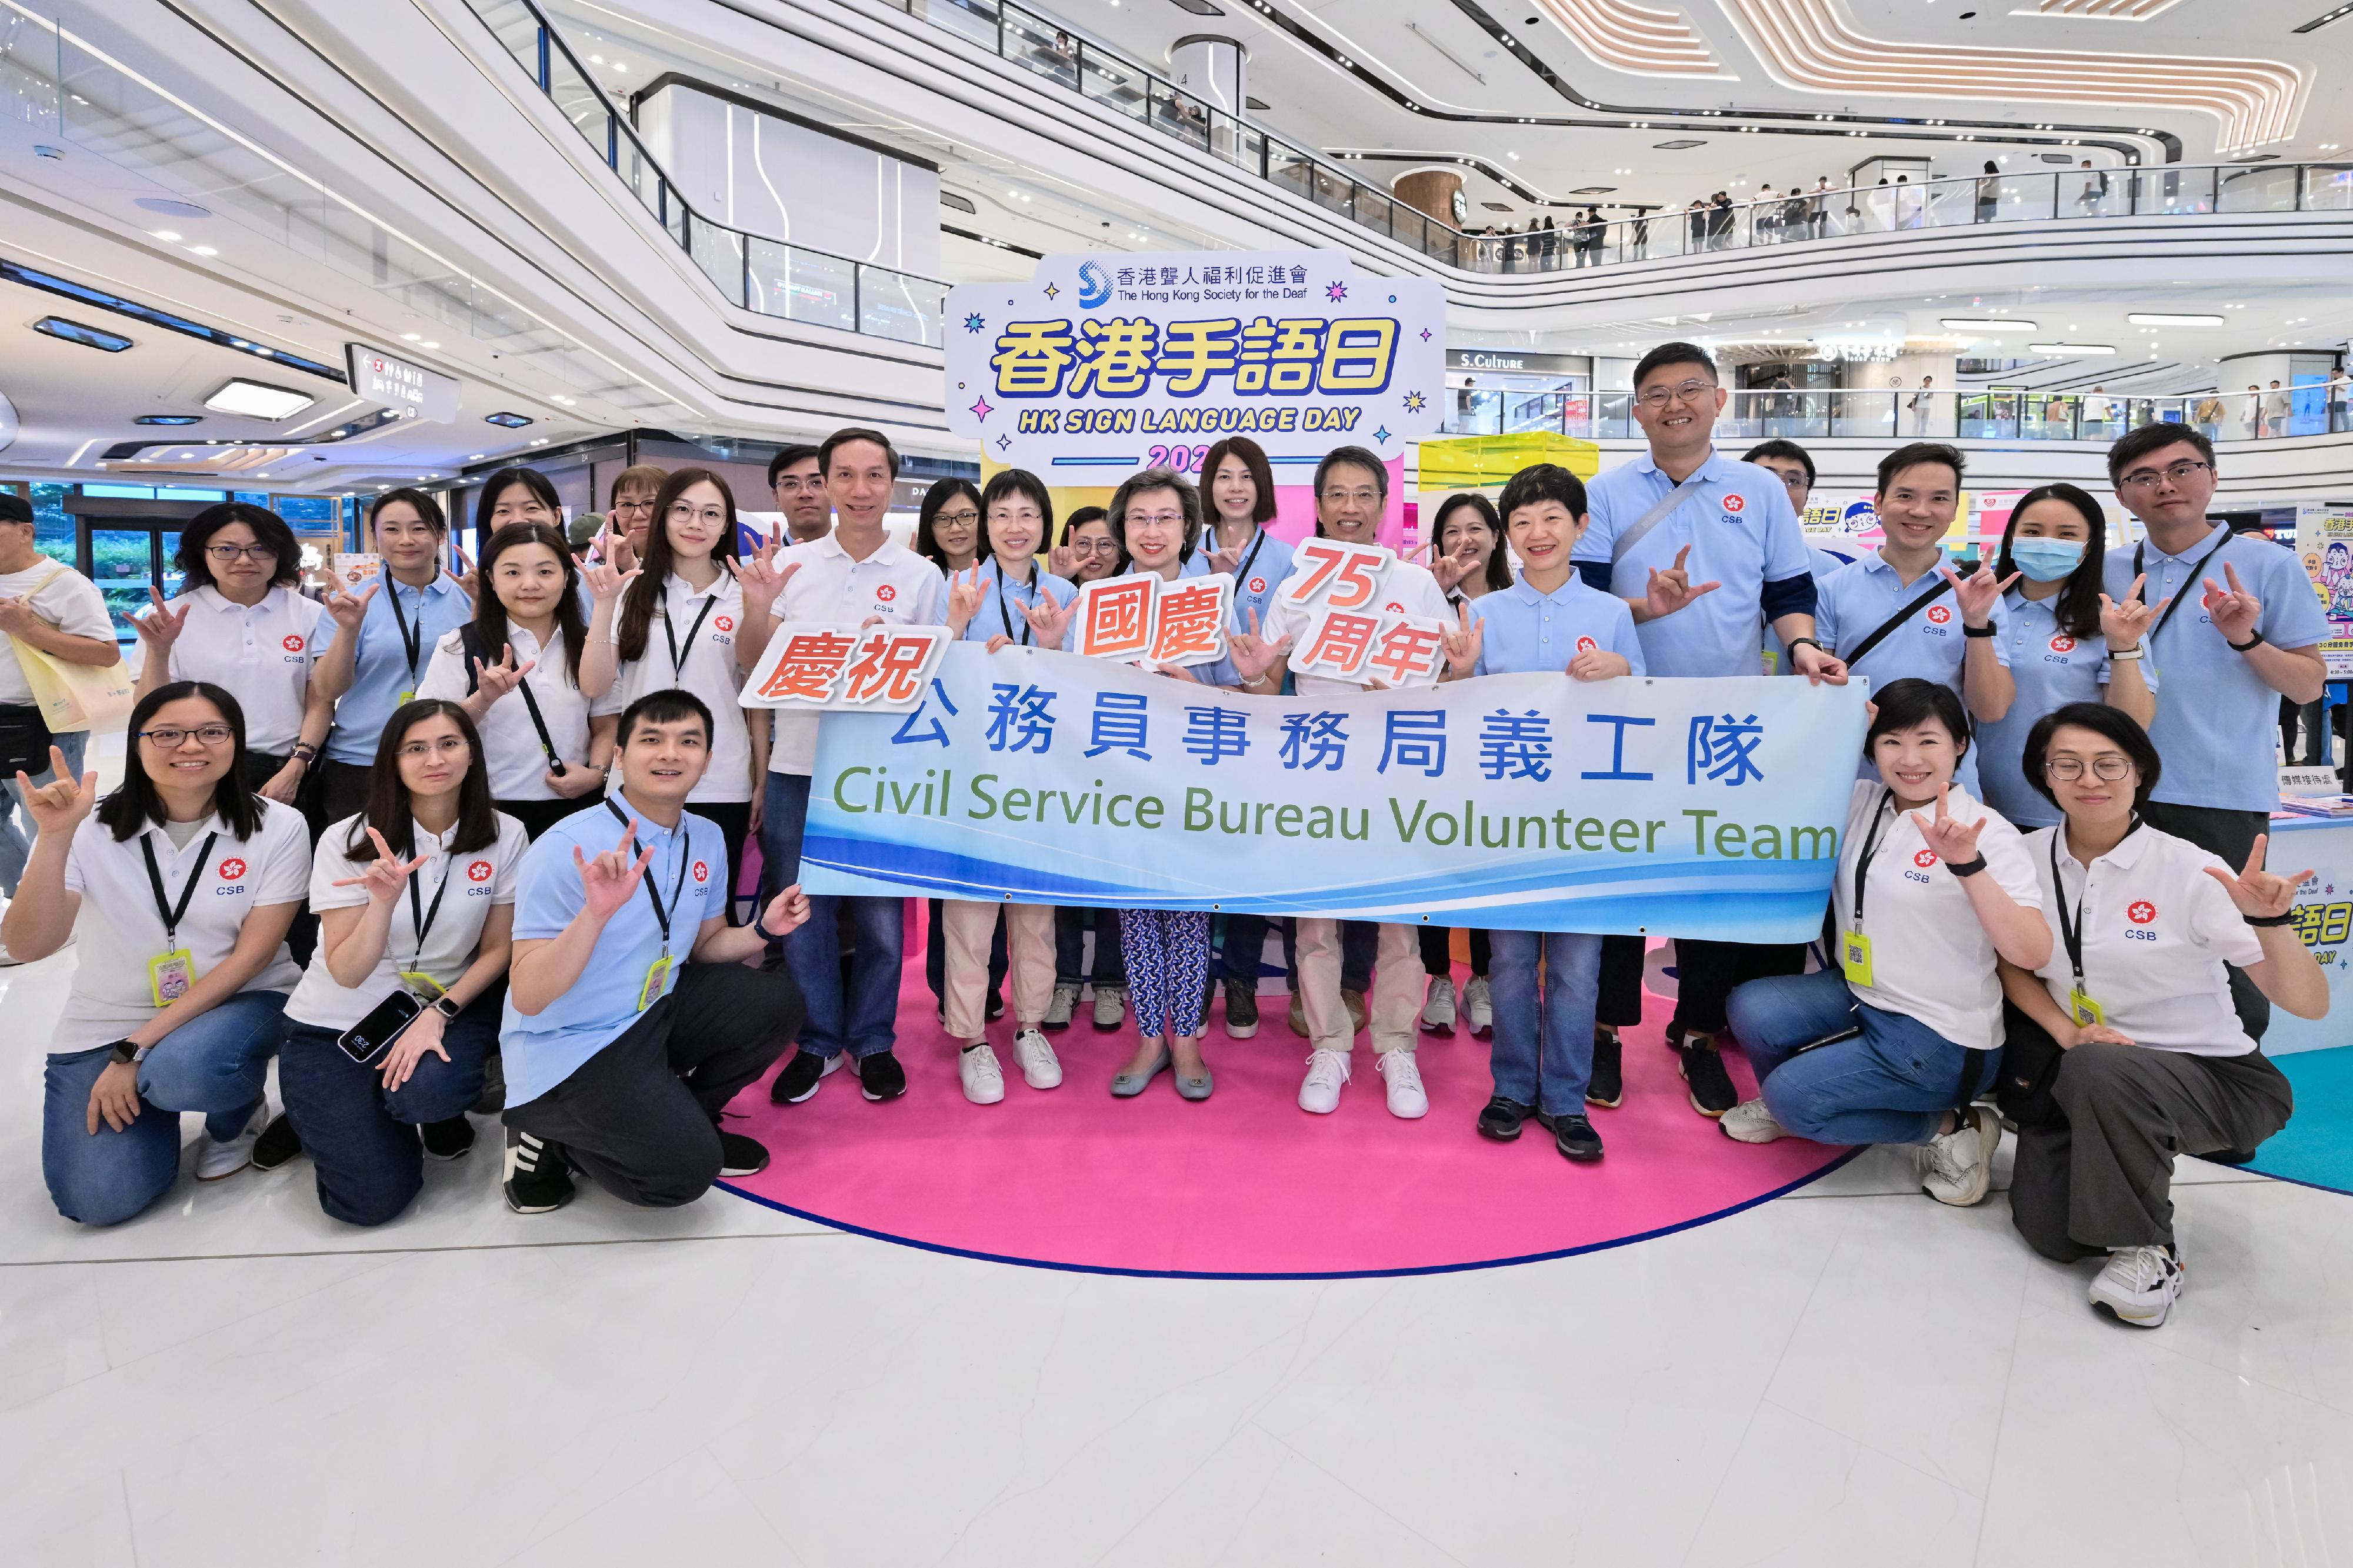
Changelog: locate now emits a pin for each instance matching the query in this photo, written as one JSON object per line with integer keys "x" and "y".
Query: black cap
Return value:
{"x": 14, "y": 507}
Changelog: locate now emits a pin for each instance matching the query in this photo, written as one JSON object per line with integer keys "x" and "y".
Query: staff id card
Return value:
{"x": 423, "y": 986}
{"x": 657, "y": 982}
{"x": 1854, "y": 957}
{"x": 170, "y": 975}
{"x": 2083, "y": 1010}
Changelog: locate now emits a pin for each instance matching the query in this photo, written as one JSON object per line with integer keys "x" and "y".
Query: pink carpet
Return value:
{"x": 1246, "y": 1184}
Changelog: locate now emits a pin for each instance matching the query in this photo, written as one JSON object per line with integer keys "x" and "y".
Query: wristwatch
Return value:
{"x": 1986, "y": 630}
{"x": 1796, "y": 642}
{"x": 2254, "y": 638}
{"x": 447, "y": 1006}
{"x": 1965, "y": 867}
{"x": 128, "y": 1054}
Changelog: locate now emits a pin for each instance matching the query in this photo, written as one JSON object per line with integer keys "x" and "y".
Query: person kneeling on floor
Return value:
{"x": 2125, "y": 1045}
{"x": 633, "y": 1015}
{"x": 1894, "y": 1045}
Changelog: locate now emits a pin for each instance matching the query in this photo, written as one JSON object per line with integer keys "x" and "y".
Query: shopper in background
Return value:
{"x": 799, "y": 491}
{"x": 2068, "y": 641}
{"x": 190, "y": 880}
{"x": 49, "y": 611}
{"x": 1468, "y": 559}
{"x": 415, "y": 605}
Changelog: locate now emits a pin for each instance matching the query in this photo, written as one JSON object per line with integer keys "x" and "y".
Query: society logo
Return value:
{"x": 1094, "y": 286}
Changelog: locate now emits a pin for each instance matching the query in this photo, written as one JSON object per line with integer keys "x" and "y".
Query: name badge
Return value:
{"x": 1854, "y": 957}
{"x": 403, "y": 699}
{"x": 423, "y": 986}
{"x": 170, "y": 975}
{"x": 657, "y": 982}
{"x": 2084, "y": 1011}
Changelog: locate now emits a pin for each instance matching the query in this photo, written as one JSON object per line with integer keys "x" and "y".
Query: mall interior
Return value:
{"x": 304, "y": 254}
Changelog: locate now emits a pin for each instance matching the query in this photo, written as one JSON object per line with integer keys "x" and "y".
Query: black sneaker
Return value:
{"x": 538, "y": 1177}
{"x": 1712, "y": 1093}
{"x": 800, "y": 1077}
{"x": 1241, "y": 1009}
{"x": 1607, "y": 1085}
{"x": 996, "y": 1006}
{"x": 1501, "y": 1121}
{"x": 448, "y": 1139}
{"x": 1574, "y": 1136}
{"x": 740, "y": 1156}
{"x": 881, "y": 1076}
{"x": 279, "y": 1145}
{"x": 493, "y": 1098}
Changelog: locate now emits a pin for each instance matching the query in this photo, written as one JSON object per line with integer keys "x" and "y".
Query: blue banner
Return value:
{"x": 1701, "y": 808}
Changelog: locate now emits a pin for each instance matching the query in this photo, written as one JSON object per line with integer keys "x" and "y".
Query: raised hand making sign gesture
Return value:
{"x": 2123, "y": 624}
{"x": 385, "y": 875}
{"x": 612, "y": 876}
{"x": 2234, "y": 610}
{"x": 1955, "y": 841}
{"x": 1671, "y": 589}
{"x": 62, "y": 805}
{"x": 1464, "y": 643}
{"x": 1978, "y": 592}
{"x": 2257, "y": 893}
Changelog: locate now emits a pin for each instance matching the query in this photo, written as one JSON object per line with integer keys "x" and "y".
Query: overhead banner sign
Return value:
{"x": 1107, "y": 363}
{"x": 1698, "y": 808}
{"x": 402, "y": 385}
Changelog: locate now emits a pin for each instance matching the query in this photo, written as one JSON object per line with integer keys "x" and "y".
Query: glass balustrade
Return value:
{"x": 2312, "y": 408}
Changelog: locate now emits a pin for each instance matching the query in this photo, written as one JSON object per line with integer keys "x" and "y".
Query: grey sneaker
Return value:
{"x": 1477, "y": 1007}
{"x": 1438, "y": 1009}
{"x": 1111, "y": 1006}
{"x": 1058, "y": 1011}
{"x": 1957, "y": 1167}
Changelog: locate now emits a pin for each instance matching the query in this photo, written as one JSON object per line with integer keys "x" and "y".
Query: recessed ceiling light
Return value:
{"x": 169, "y": 419}
{"x": 2071, "y": 349}
{"x": 1989, "y": 324}
{"x": 258, "y": 400}
{"x": 511, "y": 421}
{"x": 168, "y": 236}
{"x": 202, "y": 250}
{"x": 410, "y": 337}
{"x": 88, "y": 337}
{"x": 2161, "y": 318}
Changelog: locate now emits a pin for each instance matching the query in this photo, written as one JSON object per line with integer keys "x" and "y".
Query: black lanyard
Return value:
{"x": 2070, "y": 931}
{"x": 2197, "y": 574}
{"x": 420, "y": 915}
{"x": 171, "y": 914}
{"x": 412, "y": 640}
{"x": 678, "y": 664}
{"x": 1870, "y": 848}
{"x": 1241, "y": 574}
{"x": 661, "y": 916}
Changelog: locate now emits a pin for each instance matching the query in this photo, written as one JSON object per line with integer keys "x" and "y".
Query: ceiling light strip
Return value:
{"x": 1632, "y": 38}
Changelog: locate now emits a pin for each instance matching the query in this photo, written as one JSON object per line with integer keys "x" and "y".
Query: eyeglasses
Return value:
{"x": 712, "y": 516}
{"x": 225, "y": 553}
{"x": 1158, "y": 519}
{"x": 420, "y": 749}
{"x": 1094, "y": 547}
{"x": 795, "y": 483}
{"x": 964, "y": 519}
{"x": 2107, "y": 766}
{"x": 645, "y": 504}
{"x": 1361, "y": 497}
{"x": 1796, "y": 483}
{"x": 2175, "y": 474}
{"x": 168, "y": 739}
{"x": 1689, "y": 392}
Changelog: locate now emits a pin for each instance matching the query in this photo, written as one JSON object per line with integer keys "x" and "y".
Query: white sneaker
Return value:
{"x": 2138, "y": 1285}
{"x": 1040, "y": 1068}
{"x": 219, "y": 1157}
{"x": 1111, "y": 1006}
{"x": 1326, "y": 1071}
{"x": 1478, "y": 1006}
{"x": 1438, "y": 1012}
{"x": 1407, "y": 1099}
{"x": 1750, "y": 1122}
{"x": 1957, "y": 1167}
{"x": 983, "y": 1080}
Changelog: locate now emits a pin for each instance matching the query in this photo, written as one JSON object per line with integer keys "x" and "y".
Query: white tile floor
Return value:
{"x": 1852, "y": 1375}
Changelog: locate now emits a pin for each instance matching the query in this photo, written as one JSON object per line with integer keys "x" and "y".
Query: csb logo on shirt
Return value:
{"x": 2062, "y": 643}
{"x": 290, "y": 643}
{"x": 723, "y": 622}
{"x": 1940, "y": 615}
{"x": 885, "y": 594}
{"x": 1393, "y": 607}
{"x": 1258, "y": 584}
{"x": 702, "y": 871}
{"x": 231, "y": 869}
{"x": 1587, "y": 645}
{"x": 2140, "y": 912}
{"x": 1736, "y": 504}
{"x": 480, "y": 871}
{"x": 1925, "y": 858}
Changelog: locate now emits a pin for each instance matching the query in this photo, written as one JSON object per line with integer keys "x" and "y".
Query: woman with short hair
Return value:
{"x": 514, "y": 494}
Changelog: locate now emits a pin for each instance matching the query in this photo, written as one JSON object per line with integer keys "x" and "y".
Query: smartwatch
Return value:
{"x": 2255, "y": 639}
{"x": 447, "y": 1006}
{"x": 1986, "y": 630}
{"x": 1796, "y": 642}
{"x": 129, "y": 1055}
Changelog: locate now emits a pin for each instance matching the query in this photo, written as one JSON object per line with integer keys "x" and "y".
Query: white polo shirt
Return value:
{"x": 893, "y": 583}
{"x": 262, "y": 653}
{"x": 706, "y": 666}
{"x": 475, "y": 881}
{"x": 510, "y": 745}
{"x": 61, "y": 596}
{"x": 1406, "y": 590}
{"x": 2156, "y": 932}
{"x": 120, "y": 930}
{"x": 1930, "y": 959}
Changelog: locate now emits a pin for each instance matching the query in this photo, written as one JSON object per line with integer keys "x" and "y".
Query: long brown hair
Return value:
{"x": 389, "y": 809}
{"x": 646, "y": 593}
{"x": 491, "y": 616}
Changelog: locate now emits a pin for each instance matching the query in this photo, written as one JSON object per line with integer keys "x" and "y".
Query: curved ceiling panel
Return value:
{"x": 1810, "y": 45}
{"x": 1633, "y": 37}
{"x": 2096, "y": 10}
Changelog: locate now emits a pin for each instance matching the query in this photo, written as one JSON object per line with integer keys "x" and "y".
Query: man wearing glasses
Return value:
{"x": 2237, "y": 629}
{"x": 1708, "y": 552}
{"x": 799, "y": 487}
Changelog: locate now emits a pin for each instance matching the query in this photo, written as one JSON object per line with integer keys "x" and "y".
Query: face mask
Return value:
{"x": 2046, "y": 559}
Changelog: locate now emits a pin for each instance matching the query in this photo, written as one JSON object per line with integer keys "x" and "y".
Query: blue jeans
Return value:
{"x": 362, "y": 1137}
{"x": 13, "y": 850}
{"x": 1245, "y": 948}
{"x": 1542, "y": 1054}
{"x": 216, "y": 1063}
{"x": 1892, "y": 1084}
{"x": 813, "y": 953}
{"x": 1070, "y": 922}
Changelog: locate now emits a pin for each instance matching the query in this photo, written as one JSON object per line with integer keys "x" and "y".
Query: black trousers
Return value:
{"x": 260, "y": 767}
{"x": 2104, "y": 1177}
{"x": 1438, "y": 954}
{"x": 538, "y": 815}
{"x": 1360, "y": 943}
{"x": 2231, "y": 835}
{"x": 733, "y": 820}
{"x": 1706, "y": 973}
{"x": 343, "y": 789}
{"x": 641, "y": 1116}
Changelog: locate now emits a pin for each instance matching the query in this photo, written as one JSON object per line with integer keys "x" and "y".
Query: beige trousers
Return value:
{"x": 968, "y": 928}
{"x": 1395, "y": 1005}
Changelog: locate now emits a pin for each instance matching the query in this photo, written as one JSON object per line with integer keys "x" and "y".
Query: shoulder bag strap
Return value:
{"x": 1888, "y": 626}
{"x": 1661, "y": 510}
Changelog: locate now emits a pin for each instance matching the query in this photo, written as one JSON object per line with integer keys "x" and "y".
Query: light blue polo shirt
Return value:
{"x": 380, "y": 671}
{"x": 1265, "y": 562}
{"x": 2217, "y": 723}
{"x": 1743, "y": 533}
{"x": 2052, "y": 669}
{"x": 1821, "y": 564}
{"x": 1524, "y": 631}
{"x": 1855, "y": 601}
{"x": 546, "y": 1048}
{"x": 1005, "y": 610}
